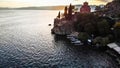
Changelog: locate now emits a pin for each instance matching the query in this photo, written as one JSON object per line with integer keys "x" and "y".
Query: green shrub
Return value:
{"x": 83, "y": 36}
{"x": 117, "y": 30}
{"x": 102, "y": 41}
{"x": 103, "y": 28}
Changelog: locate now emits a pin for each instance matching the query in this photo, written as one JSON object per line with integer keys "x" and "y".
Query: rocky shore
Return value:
{"x": 62, "y": 26}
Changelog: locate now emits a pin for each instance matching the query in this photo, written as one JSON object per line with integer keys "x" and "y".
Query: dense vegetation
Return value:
{"x": 101, "y": 30}
{"x": 117, "y": 31}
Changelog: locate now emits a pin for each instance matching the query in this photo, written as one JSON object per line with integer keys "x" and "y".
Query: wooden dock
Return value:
{"x": 115, "y": 47}
{"x": 114, "y": 51}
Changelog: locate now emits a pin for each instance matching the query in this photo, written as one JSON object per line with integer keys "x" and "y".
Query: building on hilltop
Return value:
{"x": 85, "y": 8}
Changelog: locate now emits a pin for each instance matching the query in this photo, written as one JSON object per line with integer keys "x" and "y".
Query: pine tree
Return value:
{"x": 58, "y": 15}
{"x": 65, "y": 12}
{"x": 70, "y": 12}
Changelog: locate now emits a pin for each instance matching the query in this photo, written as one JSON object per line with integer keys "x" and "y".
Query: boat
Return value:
{"x": 73, "y": 39}
{"x": 77, "y": 42}
{"x": 69, "y": 35}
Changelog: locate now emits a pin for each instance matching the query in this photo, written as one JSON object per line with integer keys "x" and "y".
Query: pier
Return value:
{"x": 115, "y": 47}
{"x": 114, "y": 51}
{"x": 73, "y": 38}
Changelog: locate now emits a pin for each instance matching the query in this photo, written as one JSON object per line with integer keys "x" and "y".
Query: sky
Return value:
{"x": 27, "y": 3}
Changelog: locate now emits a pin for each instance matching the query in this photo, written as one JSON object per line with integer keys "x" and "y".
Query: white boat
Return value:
{"x": 77, "y": 42}
{"x": 69, "y": 35}
{"x": 73, "y": 39}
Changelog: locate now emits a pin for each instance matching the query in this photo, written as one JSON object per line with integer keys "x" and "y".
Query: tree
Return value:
{"x": 70, "y": 12}
{"x": 105, "y": 41}
{"x": 117, "y": 30}
{"x": 103, "y": 28}
{"x": 84, "y": 19}
{"x": 89, "y": 28}
{"x": 98, "y": 8}
{"x": 102, "y": 41}
{"x": 58, "y": 15}
{"x": 83, "y": 36}
{"x": 97, "y": 40}
{"x": 111, "y": 38}
{"x": 65, "y": 12}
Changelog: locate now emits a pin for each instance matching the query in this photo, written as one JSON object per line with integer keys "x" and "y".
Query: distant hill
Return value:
{"x": 1, "y": 8}
{"x": 40, "y": 8}
{"x": 36, "y": 8}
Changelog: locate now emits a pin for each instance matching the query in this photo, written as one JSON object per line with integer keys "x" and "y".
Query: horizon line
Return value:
{"x": 46, "y": 6}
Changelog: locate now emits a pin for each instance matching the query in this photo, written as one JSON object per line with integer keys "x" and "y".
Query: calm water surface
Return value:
{"x": 26, "y": 42}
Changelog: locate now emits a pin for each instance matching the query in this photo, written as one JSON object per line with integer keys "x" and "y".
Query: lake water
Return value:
{"x": 26, "y": 42}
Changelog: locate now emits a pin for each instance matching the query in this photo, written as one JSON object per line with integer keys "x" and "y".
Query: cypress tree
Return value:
{"x": 58, "y": 15}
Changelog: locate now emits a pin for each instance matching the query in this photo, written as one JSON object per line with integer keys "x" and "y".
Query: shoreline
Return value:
{"x": 111, "y": 52}
{"x": 97, "y": 29}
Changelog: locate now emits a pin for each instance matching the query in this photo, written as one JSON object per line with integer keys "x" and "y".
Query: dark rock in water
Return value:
{"x": 49, "y": 24}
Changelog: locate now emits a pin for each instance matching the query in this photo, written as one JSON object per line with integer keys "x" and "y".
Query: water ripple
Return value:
{"x": 26, "y": 42}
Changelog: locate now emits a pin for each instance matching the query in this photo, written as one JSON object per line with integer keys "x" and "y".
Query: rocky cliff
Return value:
{"x": 62, "y": 26}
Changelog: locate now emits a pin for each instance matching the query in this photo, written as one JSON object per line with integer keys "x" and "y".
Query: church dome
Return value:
{"x": 85, "y": 3}
{"x": 85, "y": 8}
